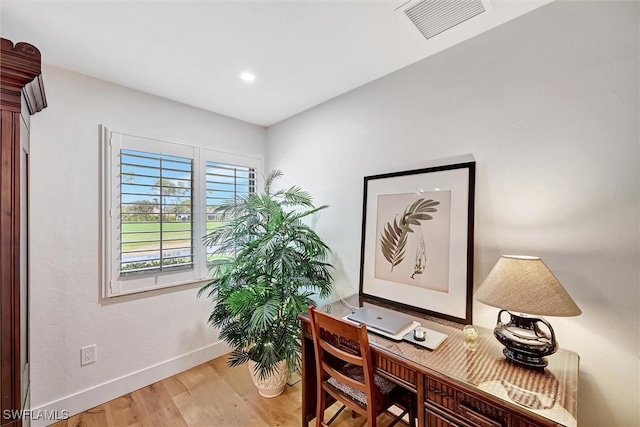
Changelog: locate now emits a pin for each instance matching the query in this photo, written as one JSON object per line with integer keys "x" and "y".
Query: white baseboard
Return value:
{"x": 97, "y": 395}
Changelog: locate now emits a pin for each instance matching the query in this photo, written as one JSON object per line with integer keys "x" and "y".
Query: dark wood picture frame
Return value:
{"x": 455, "y": 184}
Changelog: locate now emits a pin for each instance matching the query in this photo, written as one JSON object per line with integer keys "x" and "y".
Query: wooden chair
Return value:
{"x": 344, "y": 371}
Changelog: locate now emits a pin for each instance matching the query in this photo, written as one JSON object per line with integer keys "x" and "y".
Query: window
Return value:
{"x": 156, "y": 203}
{"x": 225, "y": 182}
{"x": 160, "y": 199}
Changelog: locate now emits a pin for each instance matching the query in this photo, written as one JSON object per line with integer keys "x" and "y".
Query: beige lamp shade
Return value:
{"x": 525, "y": 284}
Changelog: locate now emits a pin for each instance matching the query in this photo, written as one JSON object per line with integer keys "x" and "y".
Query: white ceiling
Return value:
{"x": 302, "y": 52}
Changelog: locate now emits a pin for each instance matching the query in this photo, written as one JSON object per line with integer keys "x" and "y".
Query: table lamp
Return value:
{"x": 524, "y": 284}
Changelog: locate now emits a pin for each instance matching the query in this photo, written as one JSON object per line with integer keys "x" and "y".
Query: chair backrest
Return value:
{"x": 336, "y": 343}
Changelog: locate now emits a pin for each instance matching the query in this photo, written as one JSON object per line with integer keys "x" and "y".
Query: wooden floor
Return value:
{"x": 211, "y": 394}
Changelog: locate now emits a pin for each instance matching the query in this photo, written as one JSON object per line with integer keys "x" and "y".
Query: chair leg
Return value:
{"x": 336, "y": 414}
{"x": 320, "y": 402}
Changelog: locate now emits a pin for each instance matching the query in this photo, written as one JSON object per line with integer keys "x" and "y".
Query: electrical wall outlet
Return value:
{"x": 88, "y": 354}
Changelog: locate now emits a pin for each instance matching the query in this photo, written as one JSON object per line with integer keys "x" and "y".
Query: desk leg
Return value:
{"x": 309, "y": 390}
{"x": 420, "y": 400}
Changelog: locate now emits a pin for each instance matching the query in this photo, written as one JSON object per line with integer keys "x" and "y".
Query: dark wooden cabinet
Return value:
{"x": 21, "y": 95}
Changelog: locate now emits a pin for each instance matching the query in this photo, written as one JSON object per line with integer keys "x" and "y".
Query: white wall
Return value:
{"x": 548, "y": 105}
{"x": 141, "y": 338}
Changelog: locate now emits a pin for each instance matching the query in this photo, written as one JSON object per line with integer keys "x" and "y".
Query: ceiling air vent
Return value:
{"x": 432, "y": 17}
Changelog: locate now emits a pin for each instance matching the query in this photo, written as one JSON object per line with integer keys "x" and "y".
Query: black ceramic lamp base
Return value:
{"x": 525, "y": 343}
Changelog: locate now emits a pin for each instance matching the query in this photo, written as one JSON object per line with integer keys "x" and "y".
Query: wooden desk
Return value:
{"x": 459, "y": 384}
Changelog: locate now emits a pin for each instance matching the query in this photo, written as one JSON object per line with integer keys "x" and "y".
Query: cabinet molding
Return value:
{"x": 21, "y": 73}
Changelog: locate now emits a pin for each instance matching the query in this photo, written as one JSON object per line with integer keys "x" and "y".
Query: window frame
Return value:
{"x": 112, "y": 141}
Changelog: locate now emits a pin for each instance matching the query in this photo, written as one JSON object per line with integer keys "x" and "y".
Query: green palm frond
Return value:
{"x": 294, "y": 196}
{"x": 263, "y": 316}
{"x": 238, "y": 357}
{"x": 268, "y": 180}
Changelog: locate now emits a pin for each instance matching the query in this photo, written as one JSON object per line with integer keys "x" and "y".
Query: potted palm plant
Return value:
{"x": 268, "y": 263}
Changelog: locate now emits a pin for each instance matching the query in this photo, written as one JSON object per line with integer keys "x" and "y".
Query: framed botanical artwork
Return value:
{"x": 417, "y": 240}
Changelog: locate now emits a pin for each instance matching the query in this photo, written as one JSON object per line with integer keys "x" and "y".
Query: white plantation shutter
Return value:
{"x": 158, "y": 202}
{"x": 156, "y": 212}
{"x": 226, "y": 177}
{"x": 225, "y": 182}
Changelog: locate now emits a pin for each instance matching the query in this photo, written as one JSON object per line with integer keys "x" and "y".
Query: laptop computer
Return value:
{"x": 385, "y": 321}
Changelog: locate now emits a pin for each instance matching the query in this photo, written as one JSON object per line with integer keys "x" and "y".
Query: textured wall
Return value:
{"x": 133, "y": 333}
{"x": 548, "y": 105}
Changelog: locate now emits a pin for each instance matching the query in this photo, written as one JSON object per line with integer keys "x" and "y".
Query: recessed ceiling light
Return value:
{"x": 247, "y": 77}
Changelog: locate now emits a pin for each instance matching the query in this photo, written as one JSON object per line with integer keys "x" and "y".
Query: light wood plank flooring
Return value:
{"x": 211, "y": 394}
